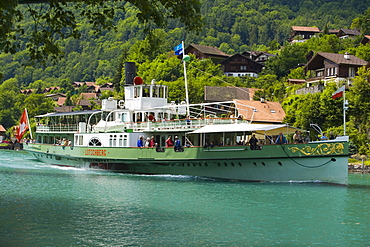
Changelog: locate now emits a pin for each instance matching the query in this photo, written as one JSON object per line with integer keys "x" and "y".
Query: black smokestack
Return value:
{"x": 130, "y": 73}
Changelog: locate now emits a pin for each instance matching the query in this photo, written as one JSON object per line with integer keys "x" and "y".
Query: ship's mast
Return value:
{"x": 185, "y": 58}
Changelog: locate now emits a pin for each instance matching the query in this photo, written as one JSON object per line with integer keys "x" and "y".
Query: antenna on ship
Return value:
{"x": 180, "y": 49}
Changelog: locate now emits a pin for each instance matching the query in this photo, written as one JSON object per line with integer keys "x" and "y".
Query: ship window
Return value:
{"x": 94, "y": 142}
{"x": 81, "y": 140}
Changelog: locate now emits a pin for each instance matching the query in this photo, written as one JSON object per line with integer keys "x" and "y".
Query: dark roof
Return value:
{"x": 209, "y": 50}
{"x": 352, "y": 32}
{"x": 317, "y": 60}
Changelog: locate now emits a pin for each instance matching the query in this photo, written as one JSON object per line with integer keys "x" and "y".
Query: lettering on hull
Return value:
{"x": 95, "y": 152}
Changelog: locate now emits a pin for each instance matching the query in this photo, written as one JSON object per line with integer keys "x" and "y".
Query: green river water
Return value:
{"x": 44, "y": 205}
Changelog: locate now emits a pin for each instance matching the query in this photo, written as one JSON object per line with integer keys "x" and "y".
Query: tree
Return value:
{"x": 291, "y": 56}
{"x": 59, "y": 18}
{"x": 359, "y": 108}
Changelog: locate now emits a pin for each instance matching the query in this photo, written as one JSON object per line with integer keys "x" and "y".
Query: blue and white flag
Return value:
{"x": 178, "y": 49}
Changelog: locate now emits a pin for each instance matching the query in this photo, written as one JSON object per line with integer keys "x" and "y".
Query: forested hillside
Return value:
{"x": 234, "y": 26}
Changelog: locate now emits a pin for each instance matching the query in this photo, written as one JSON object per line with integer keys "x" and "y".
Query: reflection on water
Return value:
{"x": 44, "y": 205}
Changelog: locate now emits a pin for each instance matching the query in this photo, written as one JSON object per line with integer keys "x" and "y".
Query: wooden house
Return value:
{"x": 365, "y": 40}
{"x": 333, "y": 67}
{"x": 202, "y": 52}
{"x": 240, "y": 65}
{"x": 299, "y": 33}
{"x": 348, "y": 33}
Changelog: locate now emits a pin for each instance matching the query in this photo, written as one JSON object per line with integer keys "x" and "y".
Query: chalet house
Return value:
{"x": 106, "y": 87}
{"x": 257, "y": 56}
{"x": 262, "y": 57}
{"x": 93, "y": 89}
{"x": 202, "y": 52}
{"x": 251, "y": 54}
{"x": 260, "y": 111}
{"x": 28, "y": 91}
{"x": 49, "y": 89}
{"x": 300, "y": 34}
{"x": 80, "y": 84}
{"x": 365, "y": 40}
{"x": 86, "y": 104}
{"x": 55, "y": 96}
{"x": 240, "y": 65}
{"x": 214, "y": 94}
{"x": 348, "y": 33}
{"x": 330, "y": 66}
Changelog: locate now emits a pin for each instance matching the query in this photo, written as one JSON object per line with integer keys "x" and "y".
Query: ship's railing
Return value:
{"x": 57, "y": 128}
{"x": 181, "y": 124}
{"x": 146, "y": 126}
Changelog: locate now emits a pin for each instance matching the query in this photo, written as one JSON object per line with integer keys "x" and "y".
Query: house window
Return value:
{"x": 243, "y": 67}
{"x": 351, "y": 72}
{"x": 319, "y": 73}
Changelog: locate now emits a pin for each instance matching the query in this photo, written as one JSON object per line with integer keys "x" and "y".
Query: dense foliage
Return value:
{"x": 233, "y": 26}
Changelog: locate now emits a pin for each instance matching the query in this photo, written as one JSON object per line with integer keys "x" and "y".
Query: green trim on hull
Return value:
{"x": 326, "y": 162}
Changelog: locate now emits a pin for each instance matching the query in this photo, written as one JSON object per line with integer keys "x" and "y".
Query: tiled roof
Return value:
{"x": 351, "y": 31}
{"x": 228, "y": 93}
{"x": 262, "y": 112}
{"x": 306, "y": 29}
{"x": 61, "y": 101}
{"x": 88, "y": 95}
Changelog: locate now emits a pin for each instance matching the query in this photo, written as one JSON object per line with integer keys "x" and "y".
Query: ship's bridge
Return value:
{"x": 145, "y": 96}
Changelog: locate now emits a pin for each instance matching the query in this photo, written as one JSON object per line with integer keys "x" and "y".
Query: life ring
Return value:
{"x": 121, "y": 103}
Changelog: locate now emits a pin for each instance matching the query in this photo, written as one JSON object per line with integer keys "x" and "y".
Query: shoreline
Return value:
{"x": 357, "y": 168}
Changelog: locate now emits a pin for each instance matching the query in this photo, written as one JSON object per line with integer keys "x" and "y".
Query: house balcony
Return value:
{"x": 324, "y": 79}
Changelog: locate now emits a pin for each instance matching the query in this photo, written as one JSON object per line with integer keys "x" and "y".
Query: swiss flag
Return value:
{"x": 338, "y": 93}
{"x": 23, "y": 125}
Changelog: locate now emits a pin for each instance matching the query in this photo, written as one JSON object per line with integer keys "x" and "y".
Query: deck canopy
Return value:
{"x": 74, "y": 113}
{"x": 273, "y": 129}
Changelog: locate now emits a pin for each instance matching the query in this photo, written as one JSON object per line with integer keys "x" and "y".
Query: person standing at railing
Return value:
{"x": 169, "y": 142}
{"x": 140, "y": 142}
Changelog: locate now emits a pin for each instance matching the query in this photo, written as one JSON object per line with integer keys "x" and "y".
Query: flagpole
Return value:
{"x": 28, "y": 122}
{"x": 345, "y": 107}
{"x": 186, "y": 80}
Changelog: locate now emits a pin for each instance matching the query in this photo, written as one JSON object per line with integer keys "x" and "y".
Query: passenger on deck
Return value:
{"x": 169, "y": 142}
{"x": 177, "y": 144}
{"x": 140, "y": 142}
{"x": 188, "y": 121}
{"x": 152, "y": 142}
{"x": 147, "y": 142}
{"x": 253, "y": 142}
{"x": 281, "y": 139}
{"x": 323, "y": 137}
{"x": 297, "y": 137}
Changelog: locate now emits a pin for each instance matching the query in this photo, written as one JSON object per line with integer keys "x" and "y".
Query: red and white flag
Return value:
{"x": 339, "y": 92}
{"x": 23, "y": 125}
